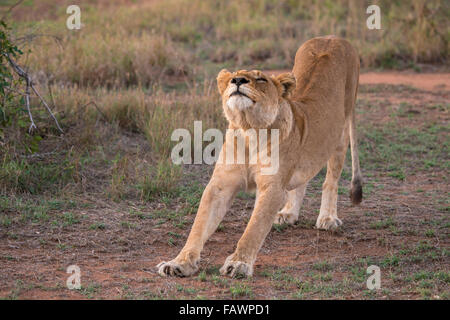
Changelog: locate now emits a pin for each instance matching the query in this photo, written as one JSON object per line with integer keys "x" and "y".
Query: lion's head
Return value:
{"x": 251, "y": 99}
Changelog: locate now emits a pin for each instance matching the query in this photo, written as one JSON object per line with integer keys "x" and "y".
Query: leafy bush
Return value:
{"x": 7, "y": 48}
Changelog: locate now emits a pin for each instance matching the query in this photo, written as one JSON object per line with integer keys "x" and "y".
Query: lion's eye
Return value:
{"x": 261, "y": 80}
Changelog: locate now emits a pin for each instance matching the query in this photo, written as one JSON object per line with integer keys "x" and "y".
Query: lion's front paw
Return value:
{"x": 328, "y": 223}
{"x": 236, "y": 269}
{"x": 285, "y": 217}
{"x": 174, "y": 268}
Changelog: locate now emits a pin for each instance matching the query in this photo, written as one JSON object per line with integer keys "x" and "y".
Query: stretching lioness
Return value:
{"x": 314, "y": 109}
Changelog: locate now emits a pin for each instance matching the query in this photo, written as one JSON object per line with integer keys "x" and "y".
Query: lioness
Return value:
{"x": 314, "y": 109}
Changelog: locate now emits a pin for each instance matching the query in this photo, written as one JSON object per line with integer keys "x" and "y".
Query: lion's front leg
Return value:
{"x": 215, "y": 201}
{"x": 268, "y": 202}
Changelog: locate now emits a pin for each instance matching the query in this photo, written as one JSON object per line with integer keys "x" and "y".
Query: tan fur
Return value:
{"x": 313, "y": 108}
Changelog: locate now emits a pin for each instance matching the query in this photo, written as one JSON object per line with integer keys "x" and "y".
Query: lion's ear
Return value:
{"x": 287, "y": 81}
{"x": 222, "y": 80}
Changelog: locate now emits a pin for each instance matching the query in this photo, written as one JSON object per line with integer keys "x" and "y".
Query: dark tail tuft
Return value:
{"x": 356, "y": 193}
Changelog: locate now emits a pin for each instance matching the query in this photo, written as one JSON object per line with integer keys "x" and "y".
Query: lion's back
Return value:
{"x": 321, "y": 65}
{"x": 326, "y": 71}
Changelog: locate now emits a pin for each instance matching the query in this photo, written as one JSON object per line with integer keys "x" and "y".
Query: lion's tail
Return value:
{"x": 356, "y": 192}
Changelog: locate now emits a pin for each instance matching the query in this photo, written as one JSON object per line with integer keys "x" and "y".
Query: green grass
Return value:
{"x": 24, "y": 176}
{"x": 128, "y": 225}
{"x": 245, "y": 195}
{"x": 282, "y": 275}
{"x": 303, "y": 289}
{"x": 90, "y": 290}
{"x": 97, "y": 226}
{"x": 429, "y": 233}
{"x": 202, "y": 276}
{"x": 324, "y": 277}
{"x": 41, "y": 210}
{"x": 160, "y": 180}
{"x": 219, "y": 281}
{"x": 240, "y": 290}
{"x": 358, "y": 273}
{"x": 390, "y": 147}
{"x": 280, "y": 227}
{"x": 70, "y": 218}
{"x": 390, "y": 261}
{"x": 5, "y": 221}
{"x": 428, "y": 275}
{"x": 139, "y": 214}
{"x": 190, "y": 291}
{"x": 322, "y": 266}
{"x": 190, "y": 194}
{"x": 383, "y": 224}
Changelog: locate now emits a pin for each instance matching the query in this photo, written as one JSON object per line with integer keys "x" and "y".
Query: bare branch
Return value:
{"x": 27, "y": 102}
{"x": 22, "y": 73}
{"x": 17, "y": 68}
{"x": 48, "y": 108}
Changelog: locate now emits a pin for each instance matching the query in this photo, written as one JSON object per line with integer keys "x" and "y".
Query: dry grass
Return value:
{"x": 154, "y": 113}
{"x": 110, "y": 59}
{"x": 100, "y": 147}
{"x": 147, "y": 42}
{"x": 135, "y": 69}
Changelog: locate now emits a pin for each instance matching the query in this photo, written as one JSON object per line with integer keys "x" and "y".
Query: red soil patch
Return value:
{"x": 424, "y": 81}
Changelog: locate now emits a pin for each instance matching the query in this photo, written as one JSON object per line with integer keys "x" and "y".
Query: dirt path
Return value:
{"x": 423, "y": 81}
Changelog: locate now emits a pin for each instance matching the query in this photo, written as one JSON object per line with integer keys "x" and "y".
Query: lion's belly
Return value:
{"x": 325, "y": 135}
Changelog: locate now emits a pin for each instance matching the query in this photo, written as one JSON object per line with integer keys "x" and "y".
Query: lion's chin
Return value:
{"x": 239, "y": 102}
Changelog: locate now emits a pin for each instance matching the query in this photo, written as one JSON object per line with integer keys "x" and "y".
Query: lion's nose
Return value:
{"x": 238, "y": 81}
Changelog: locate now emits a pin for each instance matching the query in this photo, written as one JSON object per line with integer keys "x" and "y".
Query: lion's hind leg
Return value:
{"x": 290, "y": 211}
{"x": 328, "y": 218}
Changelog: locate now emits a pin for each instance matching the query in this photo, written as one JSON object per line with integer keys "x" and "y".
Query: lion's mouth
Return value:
{"x": 239, "y": 93}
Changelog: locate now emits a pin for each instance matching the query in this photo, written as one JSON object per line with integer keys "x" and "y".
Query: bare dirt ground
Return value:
{"x": 424, "y": 81}
{"x": 402, "y": 225}
{"x": 427, "y": 81}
